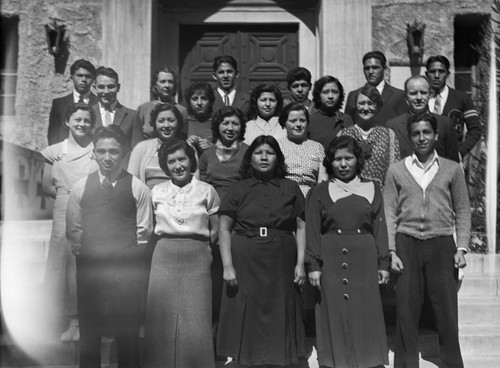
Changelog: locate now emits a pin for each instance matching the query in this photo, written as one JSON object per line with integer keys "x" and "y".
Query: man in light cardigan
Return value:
{"x": 426, "y": 199}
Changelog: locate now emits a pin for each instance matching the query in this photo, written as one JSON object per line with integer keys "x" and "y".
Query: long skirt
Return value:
{"x": 260, "y": 320}
{"x": 350, "y": 329}
{"x": 179, "y": 306}
{"x": 60, "y": 271}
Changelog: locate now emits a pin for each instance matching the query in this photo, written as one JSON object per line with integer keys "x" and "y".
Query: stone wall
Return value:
{"x": 38, "y": 82}
{"x": 390, "y": 18}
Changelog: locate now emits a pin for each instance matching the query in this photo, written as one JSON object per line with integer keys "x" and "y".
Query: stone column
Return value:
{"x": 126, "y": 46}
{"x": 345, "y": 35}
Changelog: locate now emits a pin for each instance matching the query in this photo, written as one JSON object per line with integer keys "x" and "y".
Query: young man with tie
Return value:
{"x": 108, "y": 110}
{"x": 82, "y": 75}
{"x": 225, "y": 73}
{"x": 457, "y": 105}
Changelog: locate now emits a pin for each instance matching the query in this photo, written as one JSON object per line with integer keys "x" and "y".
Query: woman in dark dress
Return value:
{"x": 260, "y": 319}
{"x": 348, "y": 255}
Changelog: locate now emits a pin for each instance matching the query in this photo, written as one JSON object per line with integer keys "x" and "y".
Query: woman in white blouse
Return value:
{"x": 179, "y": 307}
{"x": 266, "y": 103}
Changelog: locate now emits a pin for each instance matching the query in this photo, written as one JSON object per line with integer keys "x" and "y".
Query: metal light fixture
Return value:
{"x": 55, "y": 37}
{"x": 415, "y": 39}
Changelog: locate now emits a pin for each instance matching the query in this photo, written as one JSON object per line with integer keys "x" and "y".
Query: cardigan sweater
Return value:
{"x": 438, "y": 211}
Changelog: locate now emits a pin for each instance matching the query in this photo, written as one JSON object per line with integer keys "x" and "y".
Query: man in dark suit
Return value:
{"x": 108, "y": 110}
{"x": 457, "y": 105}
{"x": 417, "y": 92}
{"x": 374, "y": 65}
{"x": 225, "y": 73}
{"x": 83, "y": 75}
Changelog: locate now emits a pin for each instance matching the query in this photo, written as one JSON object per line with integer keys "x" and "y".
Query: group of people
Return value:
{"x": 239, "y": 224}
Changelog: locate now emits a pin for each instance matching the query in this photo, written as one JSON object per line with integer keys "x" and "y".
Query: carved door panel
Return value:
{"x": 264, "y": 53}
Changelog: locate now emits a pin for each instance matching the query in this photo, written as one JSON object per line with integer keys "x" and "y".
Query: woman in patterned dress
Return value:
{"x": 380, "y": 144}
{"x": 70, "y": 160}
{"x": 304, "y": 164}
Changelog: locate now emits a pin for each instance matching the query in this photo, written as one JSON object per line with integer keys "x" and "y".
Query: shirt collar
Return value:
{"x": 76, "y": 96}
{"x": 113, "y": 178}
{"x": 381, "y": 86}
{"x": 112, "y": 107}
{"x": 223, "y": 93}
{"x": 443, "y": 93}
{"x": 253, "y": 182}
{"x": 416, "y": 162}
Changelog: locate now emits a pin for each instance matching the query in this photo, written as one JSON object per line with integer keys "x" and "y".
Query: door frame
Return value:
{"x": 166, "y": 30}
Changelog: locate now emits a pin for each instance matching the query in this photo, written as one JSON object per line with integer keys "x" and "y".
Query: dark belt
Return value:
{"x": 263, "y": 232}
{"x": 348, "y": 232}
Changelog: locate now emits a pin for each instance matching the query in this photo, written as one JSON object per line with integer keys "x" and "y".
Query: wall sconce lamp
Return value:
{"x": 415, "y": 39}
{"x": 55, "y": 37}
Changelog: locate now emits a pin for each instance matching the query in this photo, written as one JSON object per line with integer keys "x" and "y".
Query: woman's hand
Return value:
{"x": 192, "y": 140}
{"x": 300, "y": 274}
{"x": 314, "y": 278}
{"x": 383, "y": 277}
{"x": 396, "y": 263}
{"x": 203, "y": 143}
{"x": 230, "y": 276}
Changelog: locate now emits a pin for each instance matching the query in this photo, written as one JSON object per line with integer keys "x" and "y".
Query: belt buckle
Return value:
{"x": 263, "y": 231}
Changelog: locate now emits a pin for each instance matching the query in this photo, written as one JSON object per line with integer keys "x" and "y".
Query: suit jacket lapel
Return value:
{"x": 120, "y": 113}
{"x": 386, "y": 92}
{"x": 98, "y": 120}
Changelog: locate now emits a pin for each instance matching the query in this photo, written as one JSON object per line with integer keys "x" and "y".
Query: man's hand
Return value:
{"x": 396, "y": 263}
{"x": 460, "y": 261}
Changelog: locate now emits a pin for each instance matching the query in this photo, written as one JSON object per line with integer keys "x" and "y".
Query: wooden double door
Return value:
{"x": 264, "y": 53}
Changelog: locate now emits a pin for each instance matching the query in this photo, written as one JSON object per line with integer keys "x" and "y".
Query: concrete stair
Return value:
{"x": 30, "y": 342}
{"x": 479, "y": 311}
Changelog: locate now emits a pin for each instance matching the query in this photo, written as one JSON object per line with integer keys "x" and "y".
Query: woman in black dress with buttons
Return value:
{"x": 262, "y": 243}
{"x": 348, "y": 254}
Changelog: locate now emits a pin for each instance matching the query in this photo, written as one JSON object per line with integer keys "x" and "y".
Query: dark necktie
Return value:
{"x": 107, "y": 185}
{"x": 226, "y": 99}
{"x": 80, "y": 99}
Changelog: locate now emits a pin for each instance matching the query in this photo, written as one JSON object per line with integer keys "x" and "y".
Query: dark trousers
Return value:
{"x": 428, "y": 269}
{"x": 108, "y": 298}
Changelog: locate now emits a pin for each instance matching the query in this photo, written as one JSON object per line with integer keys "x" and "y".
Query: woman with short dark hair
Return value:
{"x": 348, "y": 257}
{"x": 266, "y": 103}
{"x": 326, "y": 119}
{"x": 262, "y": 242}
{"x": 179, "y": 315}
{"x": 167, "y": 124}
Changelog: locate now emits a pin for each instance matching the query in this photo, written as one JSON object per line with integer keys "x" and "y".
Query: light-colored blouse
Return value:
{"x": 259, "y": 126}
{"x": 184, "y": 210}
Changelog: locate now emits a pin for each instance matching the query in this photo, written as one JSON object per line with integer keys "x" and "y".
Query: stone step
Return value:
{"x": 480, "y": 340}
{"x": 479, "y": 311}
{"x": 485, "y": 264}
{"x": 480, "y": 286}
